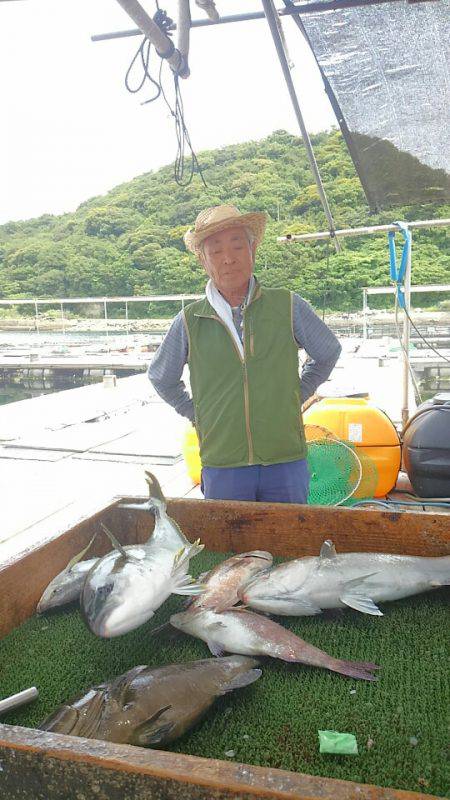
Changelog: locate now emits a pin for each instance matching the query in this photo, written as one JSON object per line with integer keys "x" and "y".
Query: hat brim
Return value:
{"x": 256, "y": 221}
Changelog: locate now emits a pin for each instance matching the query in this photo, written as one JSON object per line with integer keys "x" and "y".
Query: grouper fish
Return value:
{"x": 237, "y": 630}
{"x": 125, "y": 588}
{"x": 307, "y": 586}
{"x": 151, "y": 707}
{"x": 224, "y": 581}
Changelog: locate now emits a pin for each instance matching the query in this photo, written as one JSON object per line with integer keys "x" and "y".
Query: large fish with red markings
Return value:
{"x": 223, "y": 583}
{"x": 239, "y": 631}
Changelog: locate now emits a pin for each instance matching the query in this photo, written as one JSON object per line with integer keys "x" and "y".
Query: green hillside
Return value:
{"x": 130, "y": 240}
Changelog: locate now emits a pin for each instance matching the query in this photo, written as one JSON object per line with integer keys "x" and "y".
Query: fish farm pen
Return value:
{"x": 398, "y": 721}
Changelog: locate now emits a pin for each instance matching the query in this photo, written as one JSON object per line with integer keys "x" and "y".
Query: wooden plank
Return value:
{"x": 223, "y": 526}
{"x": 47, "y": 766}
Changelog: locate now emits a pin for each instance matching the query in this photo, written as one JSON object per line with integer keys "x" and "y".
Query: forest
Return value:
{"x": 130, "y": 241}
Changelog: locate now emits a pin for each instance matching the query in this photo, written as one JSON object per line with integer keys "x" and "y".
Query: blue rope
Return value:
{"x": 398, "y": 271}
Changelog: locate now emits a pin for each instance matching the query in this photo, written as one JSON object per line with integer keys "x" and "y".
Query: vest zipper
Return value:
{"x": 246, "y": 397}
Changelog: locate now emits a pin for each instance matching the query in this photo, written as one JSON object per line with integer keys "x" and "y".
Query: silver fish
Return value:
{"x": 239, "y": 631}
{"x": 149, "y": 707}
{"x": 125, "y": 588}
{"x": 66, "y": 586}
{"x": 223, "y": 582}
{"x": 307, "y": 586}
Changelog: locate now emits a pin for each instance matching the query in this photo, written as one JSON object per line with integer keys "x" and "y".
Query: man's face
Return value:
{"x": 228, "y": 259}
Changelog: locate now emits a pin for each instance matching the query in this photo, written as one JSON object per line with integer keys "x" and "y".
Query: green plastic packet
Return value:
{"x": 343, "y": 744}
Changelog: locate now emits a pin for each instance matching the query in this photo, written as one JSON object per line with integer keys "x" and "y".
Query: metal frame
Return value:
{"x": 292, "y": 10}
{"x": 368, "y": 230}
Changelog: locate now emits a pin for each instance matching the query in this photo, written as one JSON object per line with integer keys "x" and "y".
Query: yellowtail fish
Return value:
{"x": 125, "y": 588}
{"x": 307, "y": 586}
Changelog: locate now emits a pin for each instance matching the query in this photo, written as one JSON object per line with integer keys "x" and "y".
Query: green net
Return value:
{"x": 340, "y": 473}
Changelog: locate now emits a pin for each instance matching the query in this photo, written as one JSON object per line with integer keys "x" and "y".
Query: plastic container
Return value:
{"x": 191, "y": 454}
{"x": 426, "y": 447}
{"x": 371, "y": 431}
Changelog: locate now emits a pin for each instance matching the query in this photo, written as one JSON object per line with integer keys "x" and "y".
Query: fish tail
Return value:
{"x": 155, "y": 491}
{"x": 362, "y": 670}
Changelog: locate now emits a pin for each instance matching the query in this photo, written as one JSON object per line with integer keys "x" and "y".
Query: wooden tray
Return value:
{"x": 35, "y": 765}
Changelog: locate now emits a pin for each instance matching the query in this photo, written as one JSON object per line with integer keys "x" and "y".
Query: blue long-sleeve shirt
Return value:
{"x": 311, "y": 334}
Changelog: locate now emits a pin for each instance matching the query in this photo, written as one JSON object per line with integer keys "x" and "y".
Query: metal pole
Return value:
{"x": 106, "y": 320}
{"x": 19, "y": 699}
{"x": 364, "y": 313}
{"x": 310, "y": 237}
{"x": 406, "y": 338}
{"x": 36, "y": 316}
{"x": 127, "y": 324}
{"x": 271, "y": 16}
{"x": 62, "y": 318}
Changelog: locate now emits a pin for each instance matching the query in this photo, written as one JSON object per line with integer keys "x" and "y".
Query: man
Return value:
{"x": 241, "y": 344}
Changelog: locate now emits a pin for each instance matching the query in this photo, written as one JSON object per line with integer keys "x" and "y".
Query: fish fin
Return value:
{"x": 354, "y": 669}
{"x": 215, "y": 648}
{"x": 159, "y": 735}
{"x": 328, "y": 550}
{"x": 154, "y": 489}
{"x": 239, "y": 681}
{"x": 80, "y": 555}
{"x": 115, "y": 542}
{"x": 186, "y": 585}
{"x": 145, "y": 733}
{"x": 63, "y": 720}
{"x": 361, "y": 603}
{"x": 355, "y": 597}
{"x": 184, "y": 555}
{"x": 225, "y": 606}
{"x": 306, "y": 608}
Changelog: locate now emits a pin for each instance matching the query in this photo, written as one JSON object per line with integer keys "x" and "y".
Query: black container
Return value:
{"x": 426, "y": 447}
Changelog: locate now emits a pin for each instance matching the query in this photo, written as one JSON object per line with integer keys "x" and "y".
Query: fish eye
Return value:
{"x": 103, "y": 591}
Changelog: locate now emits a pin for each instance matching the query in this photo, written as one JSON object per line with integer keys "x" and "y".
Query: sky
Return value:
{"x": 71, "y": 131}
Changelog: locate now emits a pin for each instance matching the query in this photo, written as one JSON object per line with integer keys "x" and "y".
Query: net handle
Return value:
{"x": 355, "y": 488}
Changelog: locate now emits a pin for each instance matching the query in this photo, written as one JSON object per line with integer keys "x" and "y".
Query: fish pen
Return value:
{"x": 261, "y": 741}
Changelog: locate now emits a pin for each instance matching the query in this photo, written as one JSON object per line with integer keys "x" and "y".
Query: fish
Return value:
{"x": 223, "y": 582}
{"x": 307, "y": 586}
{"x": 237, "y": 630}
{"x": 149, "y": 706}
{"x": 125, "y": 588}
{"x": 66, "y": 586}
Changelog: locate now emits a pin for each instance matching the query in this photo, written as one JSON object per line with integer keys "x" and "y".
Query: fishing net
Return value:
{"x": 340, "y": 473}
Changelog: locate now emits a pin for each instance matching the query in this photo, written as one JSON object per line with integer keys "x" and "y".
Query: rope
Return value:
{"x": 182, "y": 173}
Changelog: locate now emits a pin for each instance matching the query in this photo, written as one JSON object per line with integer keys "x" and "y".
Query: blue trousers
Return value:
{"x": 276, "y": 483}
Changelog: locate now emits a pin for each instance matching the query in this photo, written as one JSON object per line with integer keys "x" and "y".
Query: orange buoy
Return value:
{"x": 369, "y": 429}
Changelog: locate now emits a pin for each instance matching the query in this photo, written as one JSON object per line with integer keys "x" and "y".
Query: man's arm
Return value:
{"x": 321, "y": 345}
{"x": 166, "y": 369}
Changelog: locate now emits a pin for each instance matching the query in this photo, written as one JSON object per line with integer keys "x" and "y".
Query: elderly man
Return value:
{"x": 241, "y": 344}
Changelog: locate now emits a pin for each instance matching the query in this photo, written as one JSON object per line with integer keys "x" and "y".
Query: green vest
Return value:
{"x": 247, "y": 410}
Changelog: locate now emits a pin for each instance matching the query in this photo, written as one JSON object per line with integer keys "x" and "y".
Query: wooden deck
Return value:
{"x": 64, "y": 456}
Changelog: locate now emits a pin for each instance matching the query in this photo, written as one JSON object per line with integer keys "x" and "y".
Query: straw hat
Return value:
{"x": 215, "y": 219}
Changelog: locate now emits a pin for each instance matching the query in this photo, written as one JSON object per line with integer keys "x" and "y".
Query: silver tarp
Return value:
{"x": 388, "y": 67}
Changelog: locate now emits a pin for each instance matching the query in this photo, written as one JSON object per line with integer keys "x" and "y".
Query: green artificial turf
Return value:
{"x": 399, "y": 722}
